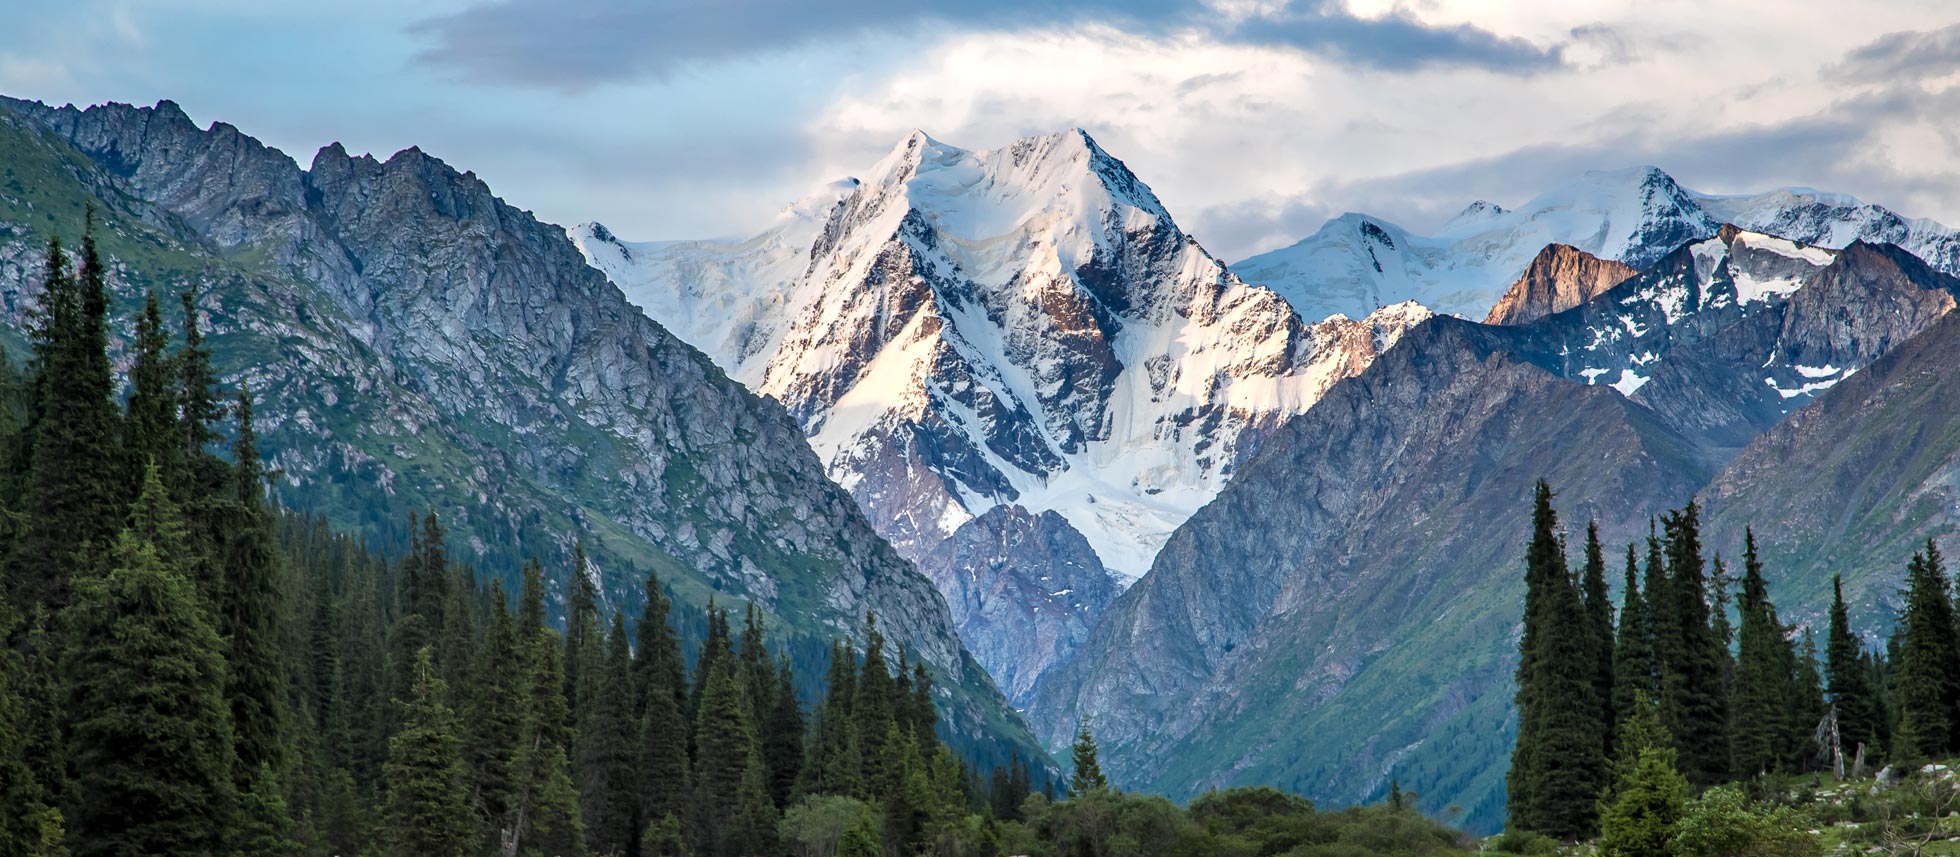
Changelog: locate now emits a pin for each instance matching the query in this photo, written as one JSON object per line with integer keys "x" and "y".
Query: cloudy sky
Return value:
{"x": 1254, "y": 120}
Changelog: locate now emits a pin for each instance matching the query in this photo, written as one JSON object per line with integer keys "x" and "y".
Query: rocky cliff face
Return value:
{"x": 1367, "y": 553}
{"x": 420, "y": 344}
{"x": 1559, "y": 278}
{"x": 1021, "y": 582}
{"x": 1022, "y": 328}
{"x": 1347, "y": 607}
{"x": 1855, "y": 483}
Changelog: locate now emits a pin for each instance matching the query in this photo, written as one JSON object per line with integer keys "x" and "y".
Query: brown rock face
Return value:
{"x": 1561, "y": 278}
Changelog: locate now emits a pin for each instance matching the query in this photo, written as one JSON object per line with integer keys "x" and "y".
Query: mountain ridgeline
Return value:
{"x": 418, "y": 344}
{"x": 1367, "y": 638}
{"x": 1258, "y": 524}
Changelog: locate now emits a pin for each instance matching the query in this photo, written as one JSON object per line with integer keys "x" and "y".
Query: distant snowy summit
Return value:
{"x": 1357, "y": 262}
{"x": 1024, "y": 327}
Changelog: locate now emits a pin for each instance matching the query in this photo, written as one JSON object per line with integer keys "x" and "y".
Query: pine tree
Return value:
{"x": 1807, "y": 707}
{"x": 495, "y": 718}
{"x": 1848, "y": 678}
{"x": 72, "y": 496}
{"x": 585, "y": 639}
{"x": 456, "y": 643}
{"x": 608, "y": 790}
{"x": 665, "y": 839}
{"x": 660, "y": 685}
{"x": 658, "y": 662}
{"x": 250, "y": 610}
{"x": 752, "y": 826}
{"x": 715, "y": 649}
{"x": 1763, "y": 675}
{"x": 923, "y": 715}
{"x": 833, "y": 765}
{"x": 150, "y": 429}
{"x": 1692, "y": 660}
{"x": 150, "y": 740}
{"x": 1633, "y": 653}
{"x": 29, "y": 824}
{"x": 663, "y": 763}
{"x": 428, "y": 804}
{"x": 782, "y": 738}
{"x": 544, "y": 813}
{"x": 754, "y": 668}
{"x": 1649, "y": 800}
{"x": 724, "y": 742}
{"x": 1928, "y": 664}
{"x": 1088, "y": 776}
{"x": 908, "y": 793}
{"x": 1599, "y": 617}
{"x": 1558, "y": 766}
{"x": 872, "y": 708}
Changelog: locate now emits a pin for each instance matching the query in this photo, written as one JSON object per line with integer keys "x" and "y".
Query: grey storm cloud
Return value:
{"x": 1911, "y": 55}
{"x": 574, "y": 44}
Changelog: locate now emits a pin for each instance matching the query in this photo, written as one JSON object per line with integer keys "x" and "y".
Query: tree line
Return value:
{"x": 1694, "y": 681}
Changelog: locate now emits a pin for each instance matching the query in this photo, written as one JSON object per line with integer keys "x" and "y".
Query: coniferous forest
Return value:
{"x": 189, "y": 670}
{"x": 1627, "y": 711}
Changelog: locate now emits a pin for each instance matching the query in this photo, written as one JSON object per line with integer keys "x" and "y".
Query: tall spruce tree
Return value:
{"x": 585, "y": 638}
{"x": 1599, "y": 618}
{"x": 1848, "y": 679}
{"x": 782, "y": 737}
{"x": 1764, "y": 675}
{"x": 1558, "y": 767}
{"x": 1692, "y": 659}
{"x": 150, "y": 739}
{"x": 832, "y": 765}
{"x": 1633, "y": 653}
{"x": 872, "y": 708}
{"x": 609, "y": 791}
{"x": 724, "y": 742}
{"x": 1928, "y": 663}
{"x": 250, "y": 610}
{"x": 150, "y": 428}
{"x": 29, "y": 824}
{"x": 544, "y": 813}
{"x": 1807, "y": 707}
{"x": 657, "y": 662}
{"x": 495, "y": 715}
{"x": 73, "y": 494}
{"x": 1087, "y": 763}
{"x": 660, "y": 681}
{"x": 428, "y": 801}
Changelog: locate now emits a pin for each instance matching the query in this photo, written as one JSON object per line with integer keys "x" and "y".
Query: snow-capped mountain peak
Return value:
{"x": 1022, "y": 326}
{"x": 1635, "y": 216}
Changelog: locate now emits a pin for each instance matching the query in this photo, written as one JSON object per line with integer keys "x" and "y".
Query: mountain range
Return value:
{"x": 416, "y": 344}
{"x": 1260, "y": 522}
{"x": 1334, "y": 604}
{"x": 1021, "y": 329}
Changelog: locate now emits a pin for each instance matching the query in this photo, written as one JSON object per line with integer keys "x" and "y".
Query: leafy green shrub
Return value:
{"x": 1523, "y": 843}
{"x": 1724, "y": 823}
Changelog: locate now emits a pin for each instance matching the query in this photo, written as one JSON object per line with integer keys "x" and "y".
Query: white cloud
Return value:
{"x": 1225, "y": 132}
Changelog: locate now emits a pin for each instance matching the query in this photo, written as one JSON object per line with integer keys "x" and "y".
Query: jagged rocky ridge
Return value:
{"x": 1021, "y": 328}
{"x": 1345, "y": 610}
{"x": 1559, "y": 278}
{"x": 417, "y": 343}
{"x": 1357, "y": 262}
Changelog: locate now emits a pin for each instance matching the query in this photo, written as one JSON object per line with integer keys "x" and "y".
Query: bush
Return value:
{"x": 1724, "y": 823}
{"x": 816, "y": 826}
{"x": 1523, "y": 843}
